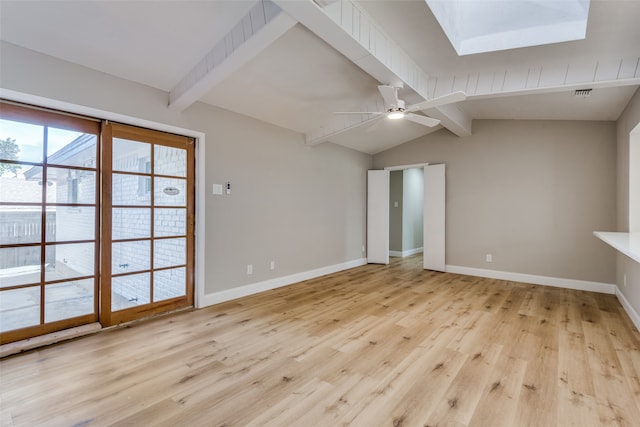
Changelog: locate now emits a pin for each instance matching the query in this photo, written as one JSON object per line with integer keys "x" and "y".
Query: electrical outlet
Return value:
{"x": 272, "y": 265}
{"x": 363, "y": 249}
{"x": 624, "y": 279}
{"x": 489, "y": 258}
{"x": 249, "y": 268}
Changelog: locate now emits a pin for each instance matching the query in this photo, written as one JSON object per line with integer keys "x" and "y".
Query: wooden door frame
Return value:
{"x": 89, "y": 125}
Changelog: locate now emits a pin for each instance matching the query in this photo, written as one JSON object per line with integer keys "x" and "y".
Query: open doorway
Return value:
{"x": 433, "y": 225}
{"x": 406, "y": 212}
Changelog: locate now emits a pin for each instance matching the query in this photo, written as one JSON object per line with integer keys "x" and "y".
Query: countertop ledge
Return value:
{"x": 627, "y": 243}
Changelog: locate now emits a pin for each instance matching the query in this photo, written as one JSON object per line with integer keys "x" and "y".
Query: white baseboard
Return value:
{"x": 581, "y": 285}
{"x": 403, "y": 254}
{"x": 254, "y": 288}
{"x": 631, "y": 312}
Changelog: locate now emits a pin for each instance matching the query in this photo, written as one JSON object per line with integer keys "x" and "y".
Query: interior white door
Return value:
{"x": 378, "y": 217}
{"x": 434, "y": 218}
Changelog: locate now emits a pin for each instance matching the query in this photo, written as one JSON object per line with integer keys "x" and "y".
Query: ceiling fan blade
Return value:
{"x": 435, "y": 102}
{"x": 375, "y": 113}
{"x": 422, "y": 120}
{"x": 389, "y": 94}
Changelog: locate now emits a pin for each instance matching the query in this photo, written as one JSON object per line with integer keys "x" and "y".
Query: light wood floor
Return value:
{"x": 372, "y": 346}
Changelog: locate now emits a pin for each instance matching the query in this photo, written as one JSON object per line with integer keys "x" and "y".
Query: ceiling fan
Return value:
{"x": 396, "y": 109}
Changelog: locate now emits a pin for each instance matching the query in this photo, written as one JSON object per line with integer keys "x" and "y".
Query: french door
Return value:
{"x": 96, "y": 222}
{"x": 147, "y": 211}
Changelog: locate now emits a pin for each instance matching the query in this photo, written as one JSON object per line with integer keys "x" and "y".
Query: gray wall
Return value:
{"x": 304, "y": 208}
{"x": 395, "y": 213}
{"x": 627, "y": 122}
{"x": 529, "y": 192}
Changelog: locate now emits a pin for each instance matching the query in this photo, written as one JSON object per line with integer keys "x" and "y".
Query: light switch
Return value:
{"x": 217, "y": 189}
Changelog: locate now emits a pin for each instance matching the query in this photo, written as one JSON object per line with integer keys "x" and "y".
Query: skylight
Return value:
{"x": 476, "y": 26}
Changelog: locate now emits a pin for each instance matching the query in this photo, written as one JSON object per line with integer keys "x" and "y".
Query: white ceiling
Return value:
{"x": 149, "y": 42}
{"x": 298, "y": 81}
{"x": 612, "y": 31}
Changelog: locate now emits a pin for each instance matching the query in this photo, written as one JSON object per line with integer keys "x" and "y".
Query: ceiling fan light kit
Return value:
{"x": 395, "y": 114}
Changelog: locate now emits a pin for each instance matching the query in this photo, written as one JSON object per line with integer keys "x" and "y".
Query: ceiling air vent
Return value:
{"x": 582, "y": 92}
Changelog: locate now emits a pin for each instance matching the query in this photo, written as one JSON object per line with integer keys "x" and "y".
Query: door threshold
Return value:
{"x": 21, "y": 346}
{"x": 16, "y": 347}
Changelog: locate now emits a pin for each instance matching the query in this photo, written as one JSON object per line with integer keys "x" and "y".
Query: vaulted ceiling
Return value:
{"x": 293, "y": 63}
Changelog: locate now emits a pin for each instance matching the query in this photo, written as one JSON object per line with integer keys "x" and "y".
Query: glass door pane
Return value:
{"x": 151, "y": 187}
{"x": 48, "y": 221}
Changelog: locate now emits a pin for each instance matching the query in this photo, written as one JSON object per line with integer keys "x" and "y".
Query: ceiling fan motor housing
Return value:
{"x": 400, "y": 107}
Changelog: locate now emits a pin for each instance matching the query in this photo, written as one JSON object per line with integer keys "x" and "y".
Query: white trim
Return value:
{"x": 96, "y": 113}
{"x": 68, "y": 107}
{"x": 266, "y": 285}
{"x": 401, "y": 168}
{"x": 581, "y": 285}
{"x": 201, "y": 194}
{"x": 406, "y": 253}
{"x": 631, "y": 312}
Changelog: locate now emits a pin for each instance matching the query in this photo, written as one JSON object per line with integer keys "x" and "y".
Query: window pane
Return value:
{"x": 131, "y": 223}
{"x": 71, "y": 148}
{"x": 130, "y": 291}
{"x": 127, "y": 257}
{"x": 19, "y": 308}
{"x": 71, "y": 186}
{"x": 131, "y": 190}
{"x": 21, "y": 184}
{"x": 20, "y": 224}
{"x": 66, "y": 223}
{"x": 21, "y": 141}
{"x": 68, "y": 299}
{"x": 19, "y": 266}
{"x": 170, "y": 283}
{"x": 170, "y": 222}
{"x": 169, "y": 252}
{"x": 170, "y": 161}
{"x": 170, "y": 192}
{"x": 131, "y": 156}
{"x": 69, "y": 260}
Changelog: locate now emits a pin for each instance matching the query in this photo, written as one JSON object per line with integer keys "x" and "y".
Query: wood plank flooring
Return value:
{"x": 372, "y": 346}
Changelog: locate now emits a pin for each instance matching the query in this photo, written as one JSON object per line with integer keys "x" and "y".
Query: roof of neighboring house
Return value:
{"x": 76, "y": 153}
